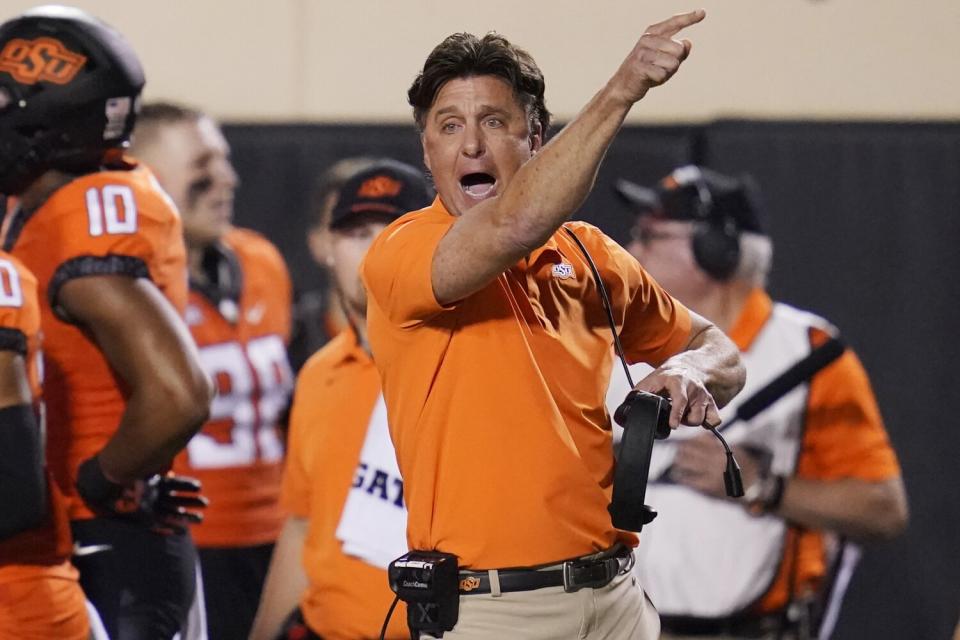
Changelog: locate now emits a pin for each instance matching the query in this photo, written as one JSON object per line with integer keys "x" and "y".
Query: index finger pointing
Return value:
{"x": 671, "y": 26}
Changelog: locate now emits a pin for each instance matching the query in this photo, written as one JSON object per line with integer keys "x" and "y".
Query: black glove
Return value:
{"x": 164, "y": 503}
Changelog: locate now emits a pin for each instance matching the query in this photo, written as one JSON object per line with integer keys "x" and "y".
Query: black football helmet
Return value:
{"x": 69, "y": 94}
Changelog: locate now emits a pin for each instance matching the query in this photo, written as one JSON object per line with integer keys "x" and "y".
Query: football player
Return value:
{"x": 40, "y": 595}
{"x": 239, "y": 314}
{"x": 124, "y": 389}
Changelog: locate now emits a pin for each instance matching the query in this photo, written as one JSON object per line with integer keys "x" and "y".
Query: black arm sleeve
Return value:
{"x": 23, "y": 487}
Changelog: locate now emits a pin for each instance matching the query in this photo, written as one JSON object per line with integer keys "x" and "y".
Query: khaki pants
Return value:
{"x": 618, "y": 611}
{"x": 670, "y": 636}
{"x": 770, "y": 636}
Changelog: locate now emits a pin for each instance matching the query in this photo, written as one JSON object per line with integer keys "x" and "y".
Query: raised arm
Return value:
{"x": 543, "y": 193}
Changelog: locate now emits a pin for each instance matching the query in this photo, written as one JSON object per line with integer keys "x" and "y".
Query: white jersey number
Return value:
{"x": 111, "y": 210}
{"x": 253, "y": 387}
{"x": 11, "y": 294}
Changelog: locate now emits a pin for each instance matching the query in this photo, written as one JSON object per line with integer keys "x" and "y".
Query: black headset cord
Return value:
{"x": 386, "y": 621}
{"x": 732, "y": 479}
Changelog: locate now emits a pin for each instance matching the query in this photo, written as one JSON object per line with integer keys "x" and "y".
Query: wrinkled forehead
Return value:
{"x": 473, "y": 93}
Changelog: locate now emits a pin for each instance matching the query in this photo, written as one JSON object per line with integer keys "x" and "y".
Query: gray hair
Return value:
{"x": 756, "y": 259}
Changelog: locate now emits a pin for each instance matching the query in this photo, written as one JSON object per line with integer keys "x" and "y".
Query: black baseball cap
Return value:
{"x": 386, "y": 186}
{"x": 696, "y": 193}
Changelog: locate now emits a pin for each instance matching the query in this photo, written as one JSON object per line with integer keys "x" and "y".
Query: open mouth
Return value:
{"x": 478, "y": 185}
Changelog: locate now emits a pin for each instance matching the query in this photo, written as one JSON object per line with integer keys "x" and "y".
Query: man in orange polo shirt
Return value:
{"x": 495, "y": 352}
{"x": 340, "y": 483}
{"x": 817, "y": 464}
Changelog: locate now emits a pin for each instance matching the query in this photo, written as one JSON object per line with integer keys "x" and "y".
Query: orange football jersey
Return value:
{"x": 20, "y": 331}
{"x": 238, "y": 453}
{"x": 39, "y": 592}
{"x": 112, "y": 222}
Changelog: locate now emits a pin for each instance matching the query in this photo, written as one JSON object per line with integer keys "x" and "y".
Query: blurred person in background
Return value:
{"x": 817, "y": 465}
{"x": 123, "y": 388}
{"x": 318, "y": 314}
{"x": 341, "y": 485}
{"x": 239, "y": 314}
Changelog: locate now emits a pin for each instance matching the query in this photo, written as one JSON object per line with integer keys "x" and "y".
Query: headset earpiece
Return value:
{"x": 716, "y": 247}
{"x": 716, "y": 239}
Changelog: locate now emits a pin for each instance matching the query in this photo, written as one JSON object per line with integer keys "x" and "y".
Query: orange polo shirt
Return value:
{"x": 336, "y": 392}
{"x": 496, "y": 403}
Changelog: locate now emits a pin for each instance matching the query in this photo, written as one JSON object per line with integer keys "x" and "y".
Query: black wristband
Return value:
{"x": 94, "y": 487}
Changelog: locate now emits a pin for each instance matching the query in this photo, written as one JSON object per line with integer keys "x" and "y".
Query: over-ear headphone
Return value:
{"x": 716, "y": 235}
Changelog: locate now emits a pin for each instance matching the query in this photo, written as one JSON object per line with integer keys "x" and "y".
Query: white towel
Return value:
{"x": 373, "y": 525}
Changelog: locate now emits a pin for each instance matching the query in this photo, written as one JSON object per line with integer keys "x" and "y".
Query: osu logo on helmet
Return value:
{"x": 379, "y": 187}
{"x": 43, "y": 59}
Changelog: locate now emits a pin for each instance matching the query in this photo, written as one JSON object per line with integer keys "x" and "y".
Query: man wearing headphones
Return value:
{"x": 817, "y": 465}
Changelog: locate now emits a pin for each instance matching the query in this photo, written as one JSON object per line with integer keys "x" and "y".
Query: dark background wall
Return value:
{"x": 865, "y": 219}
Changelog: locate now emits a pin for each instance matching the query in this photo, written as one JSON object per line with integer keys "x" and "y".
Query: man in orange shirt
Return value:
{"x": 495, "y": 352}
{"x": 817, "y": 464}
{"x": 340, "y": 482}
{"x": 238, "y": 312}
{"x": 40, "y": 596}
{"x": 123, "y": 387}
{"x": 317, "y": 313}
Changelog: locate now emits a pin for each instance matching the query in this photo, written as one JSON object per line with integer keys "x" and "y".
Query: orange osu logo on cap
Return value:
{"x": 43, "y": 59}
{"x": 380, "y": 187}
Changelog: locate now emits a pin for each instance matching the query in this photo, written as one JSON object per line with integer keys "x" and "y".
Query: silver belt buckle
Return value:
{"x": 570, "y": 585}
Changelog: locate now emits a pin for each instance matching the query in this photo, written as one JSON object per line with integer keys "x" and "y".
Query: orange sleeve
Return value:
{"x": 845, "y": 436}
{"x": 653, "y": 324}
{"x": 397, "y": 269}
{"x": 295, "y": 487}
{"x": 17, "y": 305}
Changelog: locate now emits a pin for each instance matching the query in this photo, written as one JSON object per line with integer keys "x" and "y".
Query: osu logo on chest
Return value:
{"x": 43, "y": 59}
{"x": 563, "y": 271}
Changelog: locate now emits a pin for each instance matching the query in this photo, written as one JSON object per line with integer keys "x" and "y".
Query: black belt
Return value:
{"x": 590, "y": 571}
{"x": 740, "y": 626}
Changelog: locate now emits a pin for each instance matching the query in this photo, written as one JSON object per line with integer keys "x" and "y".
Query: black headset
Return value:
{"x": 716, "y": 238}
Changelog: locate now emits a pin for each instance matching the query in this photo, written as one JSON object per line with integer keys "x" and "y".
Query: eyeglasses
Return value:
{"x": 645, "y": 235}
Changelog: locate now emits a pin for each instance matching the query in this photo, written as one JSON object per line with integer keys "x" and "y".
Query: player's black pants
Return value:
{"x": 232, "y": 581}
{"x": 142, "y": 583}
